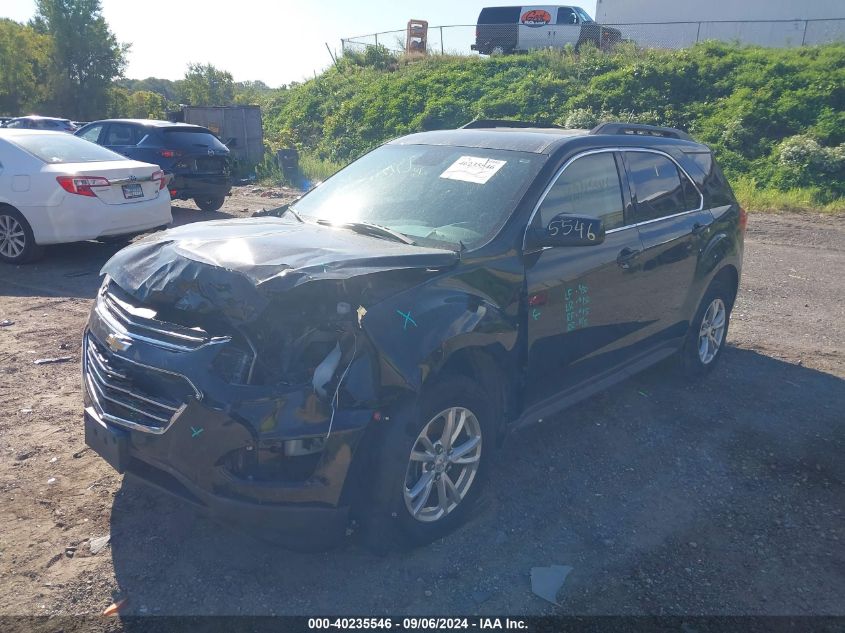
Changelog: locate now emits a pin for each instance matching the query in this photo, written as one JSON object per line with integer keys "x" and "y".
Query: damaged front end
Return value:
{"x": 237, "y": 372}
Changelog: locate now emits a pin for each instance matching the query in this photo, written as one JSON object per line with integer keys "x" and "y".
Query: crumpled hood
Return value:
{"x": 237, "y": 265}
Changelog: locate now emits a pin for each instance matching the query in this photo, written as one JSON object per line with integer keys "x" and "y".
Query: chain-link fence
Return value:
{"x": 462, "y": 39}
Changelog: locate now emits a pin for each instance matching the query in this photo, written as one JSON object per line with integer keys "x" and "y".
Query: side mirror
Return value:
{"x": 567, "y": 230}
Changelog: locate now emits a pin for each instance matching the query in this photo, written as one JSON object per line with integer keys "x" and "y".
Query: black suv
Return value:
{"x": 195, "y": 158}
{"x": 370, "y": 346}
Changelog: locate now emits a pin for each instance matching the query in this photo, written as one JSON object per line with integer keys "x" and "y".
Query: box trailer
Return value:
{"x": 681, "y": 23}
{"x": 239, "y": 127}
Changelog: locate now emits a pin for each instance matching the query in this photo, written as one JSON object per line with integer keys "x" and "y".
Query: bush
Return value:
{"x": 747, "y": 103}
{"x": 804, "y": 162}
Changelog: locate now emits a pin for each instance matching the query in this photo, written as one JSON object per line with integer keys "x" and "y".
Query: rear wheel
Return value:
{"x": 708, "y": 331}
{"x": 17, "y": 243}
{"x": 501, "y": 50}
{"x": 211, "y": 203}
{"x": 431, "y": 468}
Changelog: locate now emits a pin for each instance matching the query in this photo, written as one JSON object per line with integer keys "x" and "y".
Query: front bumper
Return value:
{"x": 221, "y": 447}
{"x": 307, "y": 525}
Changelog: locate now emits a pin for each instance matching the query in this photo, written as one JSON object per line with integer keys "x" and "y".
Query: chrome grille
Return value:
{"x": 121, "y": 390}
{"x": 127, "y": 317}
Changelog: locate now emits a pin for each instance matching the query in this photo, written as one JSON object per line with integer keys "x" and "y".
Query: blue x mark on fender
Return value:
{"x": 407, "y": 318}
{"x": 195, "y": 432}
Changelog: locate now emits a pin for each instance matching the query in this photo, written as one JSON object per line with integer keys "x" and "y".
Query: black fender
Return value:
{"x": 416, "y": 332}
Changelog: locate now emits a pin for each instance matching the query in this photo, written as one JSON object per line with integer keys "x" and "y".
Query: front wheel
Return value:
{"x": 17, "y": 243}
{"x": 210, "y": 204}
{"x": 431, "y": 467}
{"x": 708, "y": 331}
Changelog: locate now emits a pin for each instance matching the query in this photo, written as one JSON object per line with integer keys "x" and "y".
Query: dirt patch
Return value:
{"x": 723, "y": 497}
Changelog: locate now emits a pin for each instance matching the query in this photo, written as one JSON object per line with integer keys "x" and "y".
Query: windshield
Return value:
{"x": 63, "y": 148}
{"x": 454, "y": 196}
{"x": 583, "y": 14}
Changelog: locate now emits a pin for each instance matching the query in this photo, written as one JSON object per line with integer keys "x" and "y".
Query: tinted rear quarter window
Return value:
{"x": 717, "y": 191}
{"x": 499, "y": 15}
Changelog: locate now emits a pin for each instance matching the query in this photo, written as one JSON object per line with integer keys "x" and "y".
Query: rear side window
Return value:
{"x": 590, "y": 187}
{"x": 499, "y": 15}
{"x": 191, "y": 138}
{"x": 120, "y": 134}
{"x": 63, "y": 148}
{"x": 657, "y": 185}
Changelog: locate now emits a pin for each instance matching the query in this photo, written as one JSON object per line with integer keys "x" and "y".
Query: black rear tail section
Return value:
{"x": 497, "y": 29}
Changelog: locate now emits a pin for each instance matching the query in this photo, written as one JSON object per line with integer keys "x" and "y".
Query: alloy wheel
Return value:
{"x": 12, "y": 237}
{"x": 443, "y": 464}
{"x": 712, "y": 331}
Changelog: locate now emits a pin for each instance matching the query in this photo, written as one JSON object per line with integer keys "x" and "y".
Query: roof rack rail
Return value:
{"x": 640, "y": 129}
{"x": 493, "y": 123}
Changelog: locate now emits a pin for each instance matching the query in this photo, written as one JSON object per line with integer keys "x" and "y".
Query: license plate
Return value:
{"x": 110, "y": 443}
{"x": 133, "y": 191}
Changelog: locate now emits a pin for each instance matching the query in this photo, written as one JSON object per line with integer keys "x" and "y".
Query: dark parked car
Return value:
{"x": 34, "y": 122}
{"x": 195, "y": 158}
{"x": 371, "y": 346}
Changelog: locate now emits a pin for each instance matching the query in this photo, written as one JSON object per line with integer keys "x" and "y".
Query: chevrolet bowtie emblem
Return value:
{"x": 117, "y": 344}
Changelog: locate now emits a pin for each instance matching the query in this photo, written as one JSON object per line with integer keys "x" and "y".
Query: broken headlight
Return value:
{"x": 234, "y": 364}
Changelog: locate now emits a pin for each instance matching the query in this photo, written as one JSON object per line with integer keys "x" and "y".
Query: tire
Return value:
{"x": 714, "y": 313}
{"x": 390, "y": 521}
{"x": 210, "y": 204}
{"x": 501, "y": 50}
{"x": 17, "y": 243}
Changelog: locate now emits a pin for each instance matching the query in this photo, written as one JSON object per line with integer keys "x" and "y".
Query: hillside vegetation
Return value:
{"x": 775, "y": 117}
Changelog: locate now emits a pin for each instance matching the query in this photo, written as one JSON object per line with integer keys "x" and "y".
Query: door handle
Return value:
{"x": 698, "y": 228}
{"x": 626, "y": 256}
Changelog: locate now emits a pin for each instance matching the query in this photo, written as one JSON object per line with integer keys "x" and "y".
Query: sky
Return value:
{"x": 274, "y": 41}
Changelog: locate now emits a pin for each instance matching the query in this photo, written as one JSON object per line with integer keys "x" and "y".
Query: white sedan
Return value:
{"x": 56, "y": 188}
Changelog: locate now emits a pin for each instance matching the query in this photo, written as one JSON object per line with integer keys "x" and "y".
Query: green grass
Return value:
{"x": 318, "y": 169}
{"x": 311, "y": 170}
{"x": 767, "y": 199}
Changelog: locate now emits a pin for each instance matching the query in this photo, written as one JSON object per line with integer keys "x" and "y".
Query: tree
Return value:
{"x": 206, "y": 85}
{"x": 24, "y": 61}
{"x": 86, "y": 56}
{"x": 251, "y": 92}
{"x": 141, "y": 104}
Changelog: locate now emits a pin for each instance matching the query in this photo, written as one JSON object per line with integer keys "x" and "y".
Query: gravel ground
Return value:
{"x": 724, "y": 497}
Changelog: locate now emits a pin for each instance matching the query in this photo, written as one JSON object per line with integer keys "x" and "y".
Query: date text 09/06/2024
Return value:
{"x": 417, "y": 624}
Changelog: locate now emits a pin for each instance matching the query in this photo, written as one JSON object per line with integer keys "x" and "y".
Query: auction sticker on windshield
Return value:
{"x": 473, "y": 169}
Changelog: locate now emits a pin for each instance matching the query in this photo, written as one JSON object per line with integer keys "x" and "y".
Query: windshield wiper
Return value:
{"x": 278, "y": 212}
{"x": 375, "y": 230}
{"x": 294, "y": 213}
